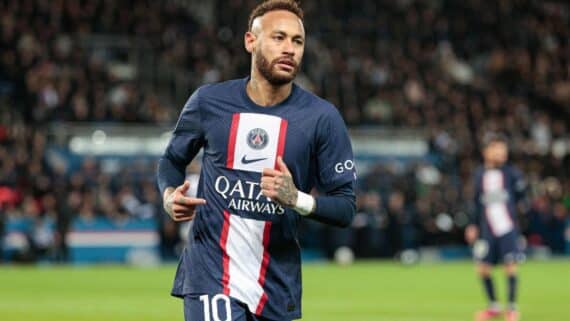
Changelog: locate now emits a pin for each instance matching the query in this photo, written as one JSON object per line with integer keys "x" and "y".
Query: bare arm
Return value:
{"x": 179, "y": 206}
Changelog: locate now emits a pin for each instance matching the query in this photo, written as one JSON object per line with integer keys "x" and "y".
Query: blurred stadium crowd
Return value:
{"x": 452, "y": 69}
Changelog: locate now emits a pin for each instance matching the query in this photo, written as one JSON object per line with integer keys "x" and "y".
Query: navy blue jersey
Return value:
{"x": 497, "y": 192}
{"x": 244, "y": 245}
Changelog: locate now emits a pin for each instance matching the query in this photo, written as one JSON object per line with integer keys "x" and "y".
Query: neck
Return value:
{"x": 264, "y": 93}
{"x": 490, "y": 164}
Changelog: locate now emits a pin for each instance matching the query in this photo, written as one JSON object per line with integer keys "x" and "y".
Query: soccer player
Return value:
{"x": 498, "y": 189}
{"x": 267, "y": 143}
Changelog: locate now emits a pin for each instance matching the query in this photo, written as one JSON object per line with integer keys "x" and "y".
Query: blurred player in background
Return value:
{"x": 267, "y": 143}
{"x": 499, "y": 188}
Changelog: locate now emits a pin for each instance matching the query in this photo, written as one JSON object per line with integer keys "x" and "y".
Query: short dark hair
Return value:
{"x": 272, "y": 5}
{"x": 492, "y": 137}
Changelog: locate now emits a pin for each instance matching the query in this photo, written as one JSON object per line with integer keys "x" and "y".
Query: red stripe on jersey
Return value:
{"x": 232, "y": 141}
{"x": 226, "y": 258}
{"x": 281, "y": 144}
{"x": 264, "y": 264}
{"x": 261, "y": 304}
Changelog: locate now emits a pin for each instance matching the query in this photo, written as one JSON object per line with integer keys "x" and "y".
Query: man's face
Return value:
{"x": 496, "y": 153}
{"x": 277, "y": 46}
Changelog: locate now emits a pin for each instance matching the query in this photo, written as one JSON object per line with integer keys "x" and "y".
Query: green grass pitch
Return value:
{"x": 366, "y": 291}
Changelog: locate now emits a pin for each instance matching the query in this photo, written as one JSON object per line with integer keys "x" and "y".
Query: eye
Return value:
{"x": 278, "y": 37}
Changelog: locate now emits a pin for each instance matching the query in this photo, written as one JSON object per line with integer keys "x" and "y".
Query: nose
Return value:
{"x": 288, "y": 48}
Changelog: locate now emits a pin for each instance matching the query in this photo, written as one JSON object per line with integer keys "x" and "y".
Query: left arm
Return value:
{"x": 335, "y": 174}
{"x": 521, "y": 200}
{"x": 519, "y": 186}
{"x": 336, "y": 208}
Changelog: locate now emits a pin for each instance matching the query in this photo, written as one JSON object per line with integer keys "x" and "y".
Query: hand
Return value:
{"x": 471, "y": 233}
{"x": 178, "y": 206}
{"x": 278, "y": 185}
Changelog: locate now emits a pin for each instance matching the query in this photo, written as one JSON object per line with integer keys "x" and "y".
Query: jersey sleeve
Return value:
{"x": 335, "y": 173}
{"x": 476, "y": 207}
{"x": 337, "y": 207}
{"x": 185, "y": 143}
{"x": 335, "y": 161}
{"x": 520, "y": 189}
{"x": 519, "y": 185}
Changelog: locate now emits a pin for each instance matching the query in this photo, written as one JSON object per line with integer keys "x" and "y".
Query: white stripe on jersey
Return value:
{"x": 497, "y": 213}
{"x": 254, "y": 143}
{"x": 245, "y": 248}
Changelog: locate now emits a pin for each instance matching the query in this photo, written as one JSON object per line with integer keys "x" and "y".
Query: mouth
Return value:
{"x": 286, "y": 64}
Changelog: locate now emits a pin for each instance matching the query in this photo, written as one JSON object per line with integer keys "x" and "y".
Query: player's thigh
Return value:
{"x": 509, "y": 249}
{"x": 217, "y": 307}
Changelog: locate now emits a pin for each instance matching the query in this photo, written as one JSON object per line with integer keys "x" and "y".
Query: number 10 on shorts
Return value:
{"x": 215, "y": 316}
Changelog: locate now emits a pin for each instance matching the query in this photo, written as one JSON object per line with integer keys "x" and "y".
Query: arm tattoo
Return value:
{"x": 168, "y": 203}
{"x": 287, "y": 192}
{"x": 168, "y": 207}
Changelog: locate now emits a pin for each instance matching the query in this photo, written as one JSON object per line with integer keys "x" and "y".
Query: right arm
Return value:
{"x": 472, "y": 230}
{"x": 186, "y": 141}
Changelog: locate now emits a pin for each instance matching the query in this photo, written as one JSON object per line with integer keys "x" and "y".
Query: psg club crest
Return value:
{"x": 257, "y": 138}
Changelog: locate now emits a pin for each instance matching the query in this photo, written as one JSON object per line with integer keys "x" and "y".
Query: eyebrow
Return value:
{"x": 283, "y": 33}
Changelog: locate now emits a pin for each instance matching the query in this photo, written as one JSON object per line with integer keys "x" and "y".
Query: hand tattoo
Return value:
{"x": 287, "y": 192}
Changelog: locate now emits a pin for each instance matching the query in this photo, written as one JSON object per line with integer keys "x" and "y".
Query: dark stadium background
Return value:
{"x": 89, "y": 91}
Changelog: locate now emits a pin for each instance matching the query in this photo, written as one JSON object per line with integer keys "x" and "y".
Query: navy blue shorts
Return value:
{"x": 217, "y": 307}
{"x": 494, "y": 250}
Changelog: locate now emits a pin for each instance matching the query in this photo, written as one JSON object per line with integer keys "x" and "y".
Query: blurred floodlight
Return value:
{"x": 98, "y": 137}
{"x": 444, "y": 222}
{"x": 344, "y": 255}
{"x": 409, "y": 257}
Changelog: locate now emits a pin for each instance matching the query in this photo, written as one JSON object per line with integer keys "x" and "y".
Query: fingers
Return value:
{"x": 283, "y": 169}
{"x": 271, "y": 182}
{"x": 188, "y": 201}
{"x": 271, "y": 179}
{"x": 182, "y": 212}
{"x": 184, "y": 187}
{"x": 183, "y": 217}
{"x": 270, "y": 193}
{"x": 283, "y": 166}
{"x": 268, "y": 185}
{"x": 270, "y": 172}
{"x": 180, "y": 207}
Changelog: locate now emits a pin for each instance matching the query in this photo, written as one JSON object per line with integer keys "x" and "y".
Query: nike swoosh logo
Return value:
{"x": 249, "y": 161}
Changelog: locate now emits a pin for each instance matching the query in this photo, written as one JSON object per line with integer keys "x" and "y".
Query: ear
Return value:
{"x": 249, "y": 41}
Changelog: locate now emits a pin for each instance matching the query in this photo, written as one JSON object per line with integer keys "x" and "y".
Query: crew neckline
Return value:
{"x": 254, "y": 105}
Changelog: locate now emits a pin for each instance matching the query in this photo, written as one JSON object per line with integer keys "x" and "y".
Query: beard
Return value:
{"x": 266, "y": 69}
